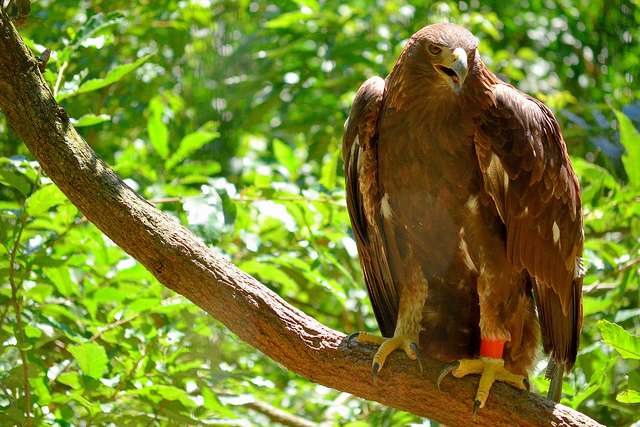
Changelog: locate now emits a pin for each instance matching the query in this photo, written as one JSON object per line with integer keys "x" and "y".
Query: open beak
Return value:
{"x": 455, "y": 70}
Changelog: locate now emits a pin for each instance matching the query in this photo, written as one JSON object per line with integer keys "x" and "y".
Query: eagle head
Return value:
{"x": 450, "y": 50}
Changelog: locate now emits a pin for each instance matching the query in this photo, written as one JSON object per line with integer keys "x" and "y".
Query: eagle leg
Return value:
{"x": 492, "y": 370}
{"x": 387, "y": 346}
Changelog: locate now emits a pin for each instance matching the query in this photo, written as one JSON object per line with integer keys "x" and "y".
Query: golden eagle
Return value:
{"x": 467, "y": 216}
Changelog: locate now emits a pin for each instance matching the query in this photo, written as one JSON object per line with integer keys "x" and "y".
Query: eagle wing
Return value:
{"x": 359, "y": 152}
{"x": 527, "y": 172}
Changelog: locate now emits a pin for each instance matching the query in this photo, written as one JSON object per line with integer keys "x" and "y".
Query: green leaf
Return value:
{"x": 628, "y": 345}
{"x": 189, "y": 145}
{"x": 629, "y": 396}
{"x": 591, "y": 305}
{"x": 109, "y": 294}
{"x": 158, "y": 131}
{"x": 72, "y": 379}
{"x": 311, "y": 4}
{"x": 39, "y": 292}
{"x": 90, "y": 120}
{"x": 143, "y": 304}
{"x": 15, "y": 414}
{"x": 285, "y": 156}
{"x": 24, "y": 346}
{"x": 634, "y": 380}
{"x": 287, "y": 20}
{"x": 61, "y": 279}
{"x": 44, "y": 199}
{"x": 630, "y": 138}
{"x": 329, "y": 171}
{"x": 97, "y": 22}
{"x": 595, "y": 383}
{"x": 12, "y": 174}
{"x": 268, "y": 272}
{"x": 112, "y": 76}
{"x": 170, "y": 392}
{"x": 91, "y": 358}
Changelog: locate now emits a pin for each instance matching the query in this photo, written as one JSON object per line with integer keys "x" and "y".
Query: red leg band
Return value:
{"x": 491, "y": 348}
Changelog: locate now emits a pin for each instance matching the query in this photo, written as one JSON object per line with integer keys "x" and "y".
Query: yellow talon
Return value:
{"x": 491, "y": 369}
{"x": 387, "y": 346}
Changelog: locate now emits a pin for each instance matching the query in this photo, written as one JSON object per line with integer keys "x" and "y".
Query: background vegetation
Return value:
{"x": 228, "y": 115}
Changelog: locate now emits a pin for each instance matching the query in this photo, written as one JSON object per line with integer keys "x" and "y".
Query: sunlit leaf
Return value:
{"x": 44, "y": 199}
{"x": 13, "y": 174}
{"x": 285, "y": 156}
{"x": 96, "y": 23}
{"x": 91, "y": 358}
{"x": 629, "y": 396}
{"x": 329, "y": 171}
{"x": 268, "y": 272}
{"x": 158, "y": 131}
{"x": 61, "y": 278}
{"x": 189, "y": 145}
{"x": 287, "y": 19}
{"x": 90, "y": 120}
{"x": 630, "y": 138}
{"x": 72, "y": 379}
{"x": 628, "y": 345}
{"x": 311, "y": 4}
{"x": 112, "y": 76}
{"x": 143, "y": 304}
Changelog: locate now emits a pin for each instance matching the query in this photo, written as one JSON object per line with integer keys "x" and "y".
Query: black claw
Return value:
{"x": 352, "y": 336}
{"x": 447, "y": 369}
{"x": 476, "y": 406}
{"x": 376, "y": 368}
{"x": 527, "y": 384}
{"x": 414, "y": 347}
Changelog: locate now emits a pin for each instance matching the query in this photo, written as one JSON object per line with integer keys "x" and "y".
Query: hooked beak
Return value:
{"x": 454, "y": 69}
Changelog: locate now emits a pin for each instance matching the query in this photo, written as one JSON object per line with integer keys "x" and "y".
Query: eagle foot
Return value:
{"x": 387, "y": 346}
{"x": 492, "y": 370}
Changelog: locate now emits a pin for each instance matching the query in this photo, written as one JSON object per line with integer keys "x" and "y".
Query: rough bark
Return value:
{"x": 180, "y": 261}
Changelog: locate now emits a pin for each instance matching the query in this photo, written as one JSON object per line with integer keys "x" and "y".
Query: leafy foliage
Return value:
{"x": 228, "y": 115}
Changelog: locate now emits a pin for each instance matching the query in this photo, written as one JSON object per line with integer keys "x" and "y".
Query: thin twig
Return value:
{"x": 619, "y": 269}
{"x": 275, "y": 414}
{"x": 125, "y": 320}
{"x": 4, "y": 314}
{"x": 113, "y": 325}
{"x": 6, "y": 393}
{"x": 158, "y": 412}
{"x": 59, "y": 79}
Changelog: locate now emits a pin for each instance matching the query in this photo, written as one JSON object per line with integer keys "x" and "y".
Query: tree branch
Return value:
{"x": 180, "y": 261}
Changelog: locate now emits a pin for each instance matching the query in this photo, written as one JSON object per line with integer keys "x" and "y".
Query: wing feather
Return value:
{"x": 527, "y": 172}
{"x": 359, "y": 152}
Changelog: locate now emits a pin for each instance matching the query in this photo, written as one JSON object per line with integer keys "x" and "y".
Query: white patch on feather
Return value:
{"x": 385, "y": 207}
{"x": 468, "y": 261}
{"x": 355, "y": 147}
{"x": 496, "y": 171}
{"x": 472, "y": 206}
{"x": 556, "y": 232}
{"x": 578, "y": 268}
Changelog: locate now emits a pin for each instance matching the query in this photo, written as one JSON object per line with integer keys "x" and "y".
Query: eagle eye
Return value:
{"x": 435, "y": 50}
